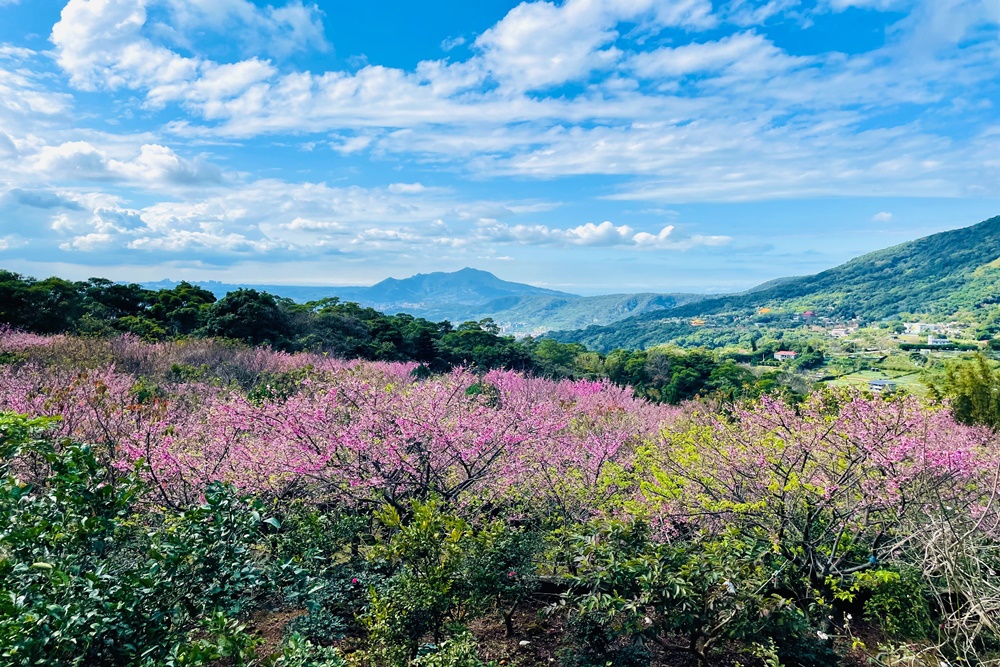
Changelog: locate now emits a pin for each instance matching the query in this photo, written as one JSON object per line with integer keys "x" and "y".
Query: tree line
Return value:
{"x": 98, "y": 307}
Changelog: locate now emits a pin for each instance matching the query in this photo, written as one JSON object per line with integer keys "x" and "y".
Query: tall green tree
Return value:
{"x": 973, "y": 390}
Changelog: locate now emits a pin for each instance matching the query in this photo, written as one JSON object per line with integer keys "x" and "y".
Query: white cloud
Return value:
{"x": 26, "y": 96}
{"x": 275, "y": 219}
{"x": 406, "y": 188}
{"x": 452, "y": 43}
{"x": 159, "y": 164}
{"x": 750, "y": 53}
{"x": 72, "y": 160}
{"x": 756, "y": 12}
{"x": 9, "y": 51}
{"x": 277, "y": 30}
{"x": 880, "y": 5}
{"x": 656, "y": 111}
{"x": 883, "y": 216}
{"x": 100, "y": 44}
{"x": 605, "y": 234}
{"x": 540, "y": 44}
{"x": 155, "y": 165}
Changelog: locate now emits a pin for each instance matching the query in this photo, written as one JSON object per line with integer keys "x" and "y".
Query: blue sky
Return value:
{"x": 588, "y": 145}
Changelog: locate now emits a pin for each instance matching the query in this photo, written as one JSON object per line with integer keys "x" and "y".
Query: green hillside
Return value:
{"x": 541, "y": 312}
{"x": 954, "y": 272}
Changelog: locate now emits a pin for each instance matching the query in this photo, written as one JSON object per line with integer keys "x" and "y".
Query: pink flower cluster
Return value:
{"x": 354, "y": 432}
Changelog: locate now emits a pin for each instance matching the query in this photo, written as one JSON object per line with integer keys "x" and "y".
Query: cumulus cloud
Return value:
{"x": 115, "y": 43}
{"x": 160, "y": 164}
{"x": 155, "y": 165}
{"x": 278, "y": 30}
{"x": 605, "y": 234}
{"x": 275, "y": 219}
{"x": 883, "y": 216}
{"x": 44, "y": 199}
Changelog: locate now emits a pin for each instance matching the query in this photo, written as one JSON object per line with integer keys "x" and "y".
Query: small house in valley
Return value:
{"x": 881, "y": 386}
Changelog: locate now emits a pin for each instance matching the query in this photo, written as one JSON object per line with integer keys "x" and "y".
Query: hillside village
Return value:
{"x": 881, "y": 357}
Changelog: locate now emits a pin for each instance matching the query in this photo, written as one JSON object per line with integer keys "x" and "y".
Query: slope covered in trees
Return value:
{"x": 939, "y": 275}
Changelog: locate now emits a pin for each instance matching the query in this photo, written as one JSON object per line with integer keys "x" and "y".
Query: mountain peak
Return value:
{"x": 466, "y": 286}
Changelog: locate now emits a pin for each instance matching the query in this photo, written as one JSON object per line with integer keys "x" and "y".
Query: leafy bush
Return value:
{"x": 591, "y": 643}
{"x": 458, "y": 651}
{"x": 319, "y": 626}
{"x": 297, "y": 651}
{"x": 897, "y": 601}
{"x": 686, "y": 597}
{"x": 448, "y": 572}
{"x": 82, "y": 581}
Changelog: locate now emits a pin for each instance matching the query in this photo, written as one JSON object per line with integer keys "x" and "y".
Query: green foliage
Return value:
{"x": 84, "y": 581}
{"x": 298, "y": 651}
{"x": 639, "y": 591}
{"x": 216, "y": 638}
{"x": 447, "y": 572}
{"x": 65, "y": 588}
{"x": 249, "y": 316}
{"x": 212, "y": 548}
{"x": 589, "y": 642}
{"x": 459, "y": 650}
{"x": 973, "y": 390}
{"x": 320, "y": 626}
{"x": 943, "y": 274}
{"x": 896, "y": 600}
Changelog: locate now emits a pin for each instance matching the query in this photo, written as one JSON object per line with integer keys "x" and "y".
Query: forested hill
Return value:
{"x": 940, "y": 275}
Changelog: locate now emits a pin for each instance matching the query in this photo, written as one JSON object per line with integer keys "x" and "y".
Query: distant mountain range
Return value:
{"x": 471, "y": 294}
{"x": 946, "y": 274}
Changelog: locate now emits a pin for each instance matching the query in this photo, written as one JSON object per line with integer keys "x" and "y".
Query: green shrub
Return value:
{"x": 690, "y": 596}
{"x": 216, "y": 638}
{"x": 89, "y": 576}
{"x": 320, "y": 627}
{"x": 896, "y": 600}
{"x": 591, "y": 643}
{"x": 297, "y": 651}
{"x": 446, "y": 571}
{"x": 458, "y": 651}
